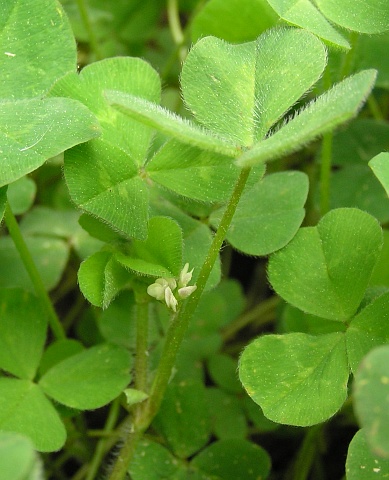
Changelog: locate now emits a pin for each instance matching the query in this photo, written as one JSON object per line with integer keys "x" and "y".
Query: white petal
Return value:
{"x": 156, "y": 290}
{"x": 184, "y": 292}
{"x": 185, "y": 276}
{"x": 170, "y": 299}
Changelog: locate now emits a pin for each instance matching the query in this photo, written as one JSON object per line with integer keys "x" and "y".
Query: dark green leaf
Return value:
{"x": 233, "y": 459}
{"x": 183, "y": 418}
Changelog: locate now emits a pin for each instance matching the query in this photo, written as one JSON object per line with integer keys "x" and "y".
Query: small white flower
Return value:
{"x": 184, "y": 292}
{"x": 185, "y": 276}
{"x": 163, "y": 288}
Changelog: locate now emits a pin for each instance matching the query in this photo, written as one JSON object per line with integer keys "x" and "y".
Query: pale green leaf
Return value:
{"x": 160, "y": 255}
{"x": 25, "y": 409}
{"x": 297, "y": 379}
{"x": 89, "y": 379}
{"x": 23, "y": 326}
{"x": 233, "y": 20}
{"x": 361, "y": 464}
{"x": 21, "y": 195}
{"x": 101, "y": 278}
{"x": 380, "y": 275}
{"x": 268, "y": 215}
{"x": 49, "y": 254}
{"x": 303, "y": 13}
{"x": 58, "y": 351}
{"x": 114, "y": 193}
{"x": 129, "y": 75}
{"x": 37, "y": 46}
{"x": 364, "y": 16}
{"x": 18, "y": 461}
{"x": 197, "y": 238}
{"x": 325, "y": 270}
{"x": 31, "y": 131}
{"x": 368, "y": 329}
{"x": 380, "y": 166}
{"x": 192, "y": 172}
{"x": 371, "y": 397}
{"x": 240, "y": 91}
{"x": 328, "y": 111}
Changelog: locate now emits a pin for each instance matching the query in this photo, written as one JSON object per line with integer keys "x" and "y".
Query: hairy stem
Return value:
{"x": 142, "y": 332}
{"x": 102, "y": 444}
{"x": 28, "y": 262}
{"x": 174, "y": 337}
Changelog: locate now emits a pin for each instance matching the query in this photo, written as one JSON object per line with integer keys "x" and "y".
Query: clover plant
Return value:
{"x": 133, "y": 342}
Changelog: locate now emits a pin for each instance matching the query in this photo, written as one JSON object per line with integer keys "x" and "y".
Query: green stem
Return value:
{"x": 102, "y": 444}
{"x": 89, "y": 29}
{"x": 175, "y": 335}
{"x": 349, "y": 57}
{"x": 25, "y": 255}
{"x": 325, "y": 173}
{"x": 259, "y": 314}
{"x": 142, "y": 332}
{"x": 175, "y": 27}
{"x": 375, "y": 108}
{"x": 307, "y": 453}
{"x": 326, "y": 160}
{"x": 180, "y": 321}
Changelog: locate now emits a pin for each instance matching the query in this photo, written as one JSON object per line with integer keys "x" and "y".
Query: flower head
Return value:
{"x": 163, "y": 288}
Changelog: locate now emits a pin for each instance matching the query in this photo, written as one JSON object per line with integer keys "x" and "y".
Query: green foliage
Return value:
{"x": 18, "y": 459}
{"x": 371, "y": 400}
{"x": 361, "y": 464}
{"x": 117, "y": 277}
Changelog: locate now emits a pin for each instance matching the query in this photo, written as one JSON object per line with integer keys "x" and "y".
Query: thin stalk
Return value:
{"x": 375, "y": 108}
{"x": 258, "y": 314}
{"x": 187, "y": 32}
{"x": 102, "y": 444}
{"x": 174, "y": 337}
{"x": 349, "y": 57}
{"x": 141, "y": 357}
{"x": 28, "y": 262}
{"x": 325, "y": 173}
{"x": 175, "y": 28}
{"x": 180, "y": 321}
{"x": 89, "y": 29}
{"x": 307, "y": 453}
{"x": 326, "y": 160}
